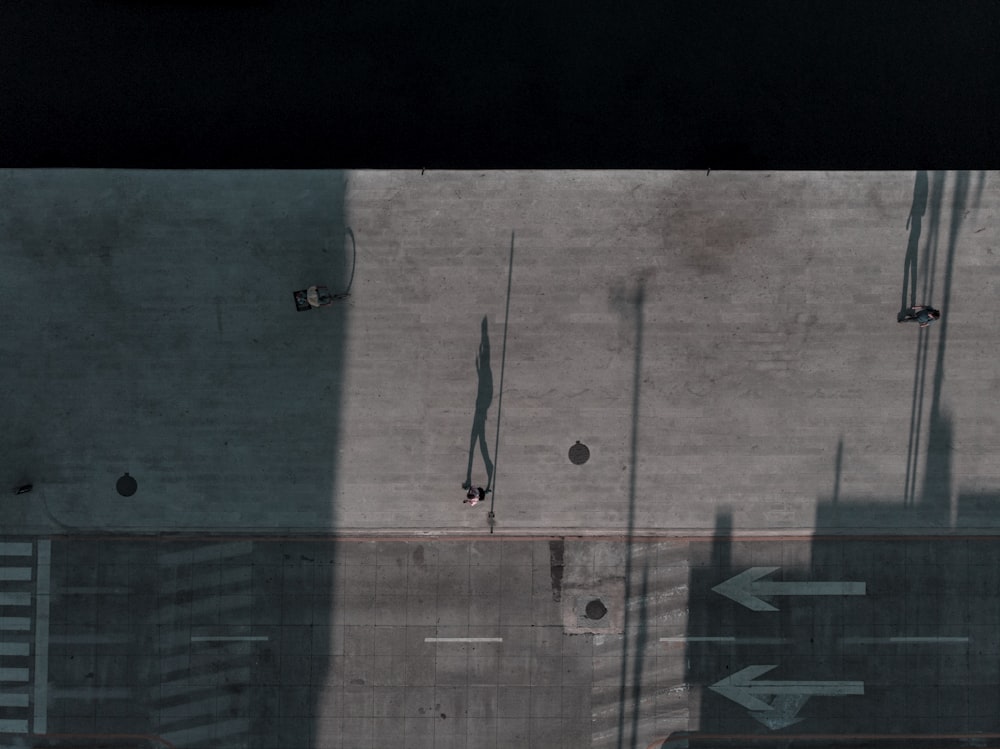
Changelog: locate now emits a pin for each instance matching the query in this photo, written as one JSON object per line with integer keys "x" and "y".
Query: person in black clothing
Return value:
{"x": 921, "y": 314}
{"x": 475, "y": 496}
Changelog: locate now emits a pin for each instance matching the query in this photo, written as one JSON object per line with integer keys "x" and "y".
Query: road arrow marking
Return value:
{"x": 742, "y": 689}
{"x": 745, "y": 588}
{"x": 784, "y": 711}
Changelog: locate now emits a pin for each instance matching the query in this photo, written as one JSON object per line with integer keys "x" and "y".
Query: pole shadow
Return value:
{"x": 636, "y": 633}
{"x": 484, "y": 398}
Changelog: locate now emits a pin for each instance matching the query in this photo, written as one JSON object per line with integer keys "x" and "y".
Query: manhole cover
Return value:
{"x": 596, "y": 610}
{"x": 126, "y": 485}
{"x": 579, "y": 454}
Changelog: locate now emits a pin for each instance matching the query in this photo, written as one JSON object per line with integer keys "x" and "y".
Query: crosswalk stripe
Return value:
{"x": 19, "y": 623}
{"x": 13, "y": 726}
{"x": 13, "y": 700}
{"x": 15, "y": 549}
{"x": 15, "y": 599}
{"x": 13, "y": 674}
{"x": 15, "y": 573}
{"x": 14, "y": 648}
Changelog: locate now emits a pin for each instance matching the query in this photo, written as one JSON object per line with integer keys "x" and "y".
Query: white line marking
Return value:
{"x": 14, "y": 700}
{"x": 14, "y": 648}
{"x": 249, "y": 638}
{"x": 19, "y": 623}
{"x": 13, "y": 726}
{"x": 41, "y": 721}
{"x": 15, "y": 549}
{"x": 15, "y": 573}
{"x": 904, "y": 640}
{"x": 463, "y": 639}
{"x": 734, "y": 640}
{"x": 15, "y": 599}
{"x": 697, "y": 639}
{"x": 13, "y": 674}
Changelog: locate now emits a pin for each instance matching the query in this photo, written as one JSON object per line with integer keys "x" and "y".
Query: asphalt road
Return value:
{"x": 230, "y": 642}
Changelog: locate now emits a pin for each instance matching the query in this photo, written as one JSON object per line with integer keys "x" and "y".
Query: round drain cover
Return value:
{"x": 596, "y": 609}
{"x": 579, "y": 454}
{"x": 126, "y": 485}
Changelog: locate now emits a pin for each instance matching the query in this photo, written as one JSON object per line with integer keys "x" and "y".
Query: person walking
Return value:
{"x": 922, "y": 314}
{"x": 475, "y": 496}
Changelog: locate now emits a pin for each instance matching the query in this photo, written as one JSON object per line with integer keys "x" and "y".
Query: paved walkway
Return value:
{"x": 725, "y": 346}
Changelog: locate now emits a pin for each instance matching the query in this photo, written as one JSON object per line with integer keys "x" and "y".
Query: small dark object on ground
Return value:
{"x": 24, "y": 489}
{"x": 596, "y": 609}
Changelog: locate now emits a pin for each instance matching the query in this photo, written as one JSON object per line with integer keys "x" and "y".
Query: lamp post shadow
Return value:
{"x": 484, "y": 398}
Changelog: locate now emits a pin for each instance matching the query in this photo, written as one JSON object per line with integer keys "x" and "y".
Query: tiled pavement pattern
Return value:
{"x": 289, "y": 644}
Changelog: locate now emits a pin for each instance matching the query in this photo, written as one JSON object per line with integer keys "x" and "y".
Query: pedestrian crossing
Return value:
{"x": 18, "y": 633}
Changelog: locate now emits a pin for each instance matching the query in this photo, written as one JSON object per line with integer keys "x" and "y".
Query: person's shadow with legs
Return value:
{"x": 914, "y": 224}
{"x": 484, "y": 397}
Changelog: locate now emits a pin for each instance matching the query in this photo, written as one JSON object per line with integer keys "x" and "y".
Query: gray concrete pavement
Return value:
{"x": 485, "y": 642}
{"x": 722, "y": 343}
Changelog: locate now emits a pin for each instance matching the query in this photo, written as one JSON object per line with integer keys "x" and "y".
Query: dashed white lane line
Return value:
{"x": 463, "y": 639}
{"x": 249, "y": 638}
{"x": 730, "y": 640}
{"x": 905, "y": 640}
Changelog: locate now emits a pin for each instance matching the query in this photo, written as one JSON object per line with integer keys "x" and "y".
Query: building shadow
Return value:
{"x": 174, "y": 352}
{"x": 908, "y": 654}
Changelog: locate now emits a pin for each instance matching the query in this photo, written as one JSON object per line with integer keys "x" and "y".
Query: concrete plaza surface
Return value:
{"x": 724, "y": 344}
{"x": 486, "y": 643}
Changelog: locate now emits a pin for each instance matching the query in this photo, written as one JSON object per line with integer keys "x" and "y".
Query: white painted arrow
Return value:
{"x": 745, "y": 588}
{"x": 742, "y": 689}
{"x": 784, "y": 711}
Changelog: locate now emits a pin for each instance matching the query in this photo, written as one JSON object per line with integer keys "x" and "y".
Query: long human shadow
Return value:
{"x": 914, "y": 223}
{"x": 484, "y": 398}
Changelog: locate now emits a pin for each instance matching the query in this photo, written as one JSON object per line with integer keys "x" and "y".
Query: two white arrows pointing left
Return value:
{"x": 787, "y": 697}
